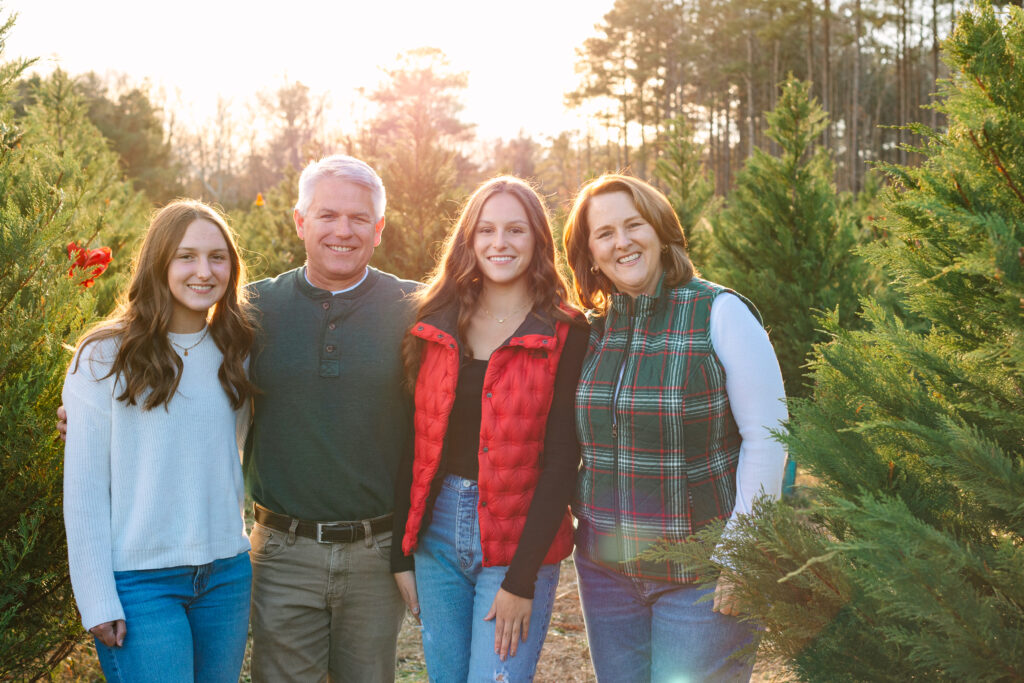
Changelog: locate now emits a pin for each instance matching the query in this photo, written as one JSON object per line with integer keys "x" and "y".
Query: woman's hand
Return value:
{"x": 110, "y": 633}
{"x": 407, "y": 587}
{"x": 726, "y": 601}
{"x": 512, "y": 622}
{"x": 62, "y": 423}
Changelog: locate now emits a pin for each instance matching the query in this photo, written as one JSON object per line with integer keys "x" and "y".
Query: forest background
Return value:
{"x": 785, "y": 132}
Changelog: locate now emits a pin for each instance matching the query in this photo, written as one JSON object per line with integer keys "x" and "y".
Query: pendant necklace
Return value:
{"x": 501, "y": 321}
{"x": 185, "y": 349}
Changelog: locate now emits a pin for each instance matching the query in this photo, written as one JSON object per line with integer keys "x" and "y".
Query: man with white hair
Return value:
{"x": 328, "y": 431}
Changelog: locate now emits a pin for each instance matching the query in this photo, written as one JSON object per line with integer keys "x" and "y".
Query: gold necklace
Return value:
{"x": 185, "y": 349}
{"x": 501, "y": 321}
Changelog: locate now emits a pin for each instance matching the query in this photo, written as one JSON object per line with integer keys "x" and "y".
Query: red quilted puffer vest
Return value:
{"x": 518, "y": 390}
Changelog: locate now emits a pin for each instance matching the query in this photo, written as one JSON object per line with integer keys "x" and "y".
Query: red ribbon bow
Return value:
{"x": 83, "y": 259}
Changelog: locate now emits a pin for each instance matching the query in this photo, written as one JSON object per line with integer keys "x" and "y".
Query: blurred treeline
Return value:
{"x": 656, "y": 74}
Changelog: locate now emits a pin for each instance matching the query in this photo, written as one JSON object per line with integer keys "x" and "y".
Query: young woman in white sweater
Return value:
{"x": 153, "y": 490}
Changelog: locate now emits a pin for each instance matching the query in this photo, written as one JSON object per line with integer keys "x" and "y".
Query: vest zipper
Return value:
{"x": 615, "y": 427}
{"x": 618, "y": 386}
{"x": 618, "y": 382}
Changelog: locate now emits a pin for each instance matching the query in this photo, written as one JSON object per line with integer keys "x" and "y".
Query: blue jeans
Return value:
{"x": 183, "y": 624}
{"x": 642, "y": 630}
{"x": 456, "y": 591}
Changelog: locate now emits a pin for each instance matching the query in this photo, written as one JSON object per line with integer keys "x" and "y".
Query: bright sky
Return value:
{"x": 520, "y": 55}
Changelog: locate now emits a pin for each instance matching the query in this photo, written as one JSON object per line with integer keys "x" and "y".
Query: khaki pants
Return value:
{"x": 323, "y": 611}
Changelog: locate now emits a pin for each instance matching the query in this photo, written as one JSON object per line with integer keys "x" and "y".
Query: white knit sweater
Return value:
{"x": 148, "y": 489}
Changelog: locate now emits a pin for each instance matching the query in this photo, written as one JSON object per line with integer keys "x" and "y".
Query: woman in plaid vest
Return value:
{"x": 679, "y": 391}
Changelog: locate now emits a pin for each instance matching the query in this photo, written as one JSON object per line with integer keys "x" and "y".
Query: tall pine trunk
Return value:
{"x": 853, "y": 154}
{"x": 826, "y": 69}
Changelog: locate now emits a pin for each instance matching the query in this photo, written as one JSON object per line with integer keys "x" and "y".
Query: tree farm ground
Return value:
{"x": 564, "y": 659}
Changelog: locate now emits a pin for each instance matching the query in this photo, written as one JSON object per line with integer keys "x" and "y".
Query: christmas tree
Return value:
{"x": 910, "y": 564}
{"x": 59, "y": 184}
{"x": 266, "y": 230}
{"x": 689, "y": 190}
{"x": 783, "y": 240}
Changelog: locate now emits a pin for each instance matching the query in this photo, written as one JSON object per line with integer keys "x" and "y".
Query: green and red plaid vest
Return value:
{"x": 660, "y": 445}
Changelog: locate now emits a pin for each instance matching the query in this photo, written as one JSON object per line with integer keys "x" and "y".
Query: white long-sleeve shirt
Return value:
{"x": 148, "y": 489}
{"x": 753, "y": 382}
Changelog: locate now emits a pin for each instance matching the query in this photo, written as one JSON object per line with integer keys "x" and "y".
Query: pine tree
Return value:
{"x": 910, "y": 566}
{"x": 783, "y": 240}
{"x": 266, "y": 233}
{"x": 413, "y": 143}
{"x": 688, "y": 188}
{"x": 59, "y": 115}
{"x": 420, "y": 174}
{"x": 135, "y": 128}
{"x": 58, "y": 183}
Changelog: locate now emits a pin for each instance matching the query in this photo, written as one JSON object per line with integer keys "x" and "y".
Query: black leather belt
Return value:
{"x": 322, "y": 532}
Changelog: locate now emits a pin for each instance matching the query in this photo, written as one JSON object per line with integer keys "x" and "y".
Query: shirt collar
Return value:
{"x": 305, "y": 274}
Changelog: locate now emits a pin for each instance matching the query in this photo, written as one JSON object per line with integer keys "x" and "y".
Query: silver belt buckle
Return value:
{"x": 320, "y": 531}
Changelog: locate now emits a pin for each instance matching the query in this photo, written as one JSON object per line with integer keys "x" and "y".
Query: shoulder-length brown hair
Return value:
{"x": 456, "y": 280}
{"x": 593, "y": 288}
{"x": 145, "y": 358}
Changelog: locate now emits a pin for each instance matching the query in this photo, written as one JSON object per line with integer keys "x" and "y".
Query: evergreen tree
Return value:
{"x": 419, "y": 173}
{"x": 266, "y": 232}
{"x": 688, "y": 188}
{"x": 911, "y": 564}
{"x": 60, "y": 116}
{"x": 560, "y": 171}
{"x": 518, "y": 157}
{"x": 413, "y": 144}
{"x": 135, "y": 129}
{"x": 782, "y": 240}
{"x": 58, "y": 184}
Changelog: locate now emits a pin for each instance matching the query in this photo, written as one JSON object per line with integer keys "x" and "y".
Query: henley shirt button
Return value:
{"x": 420, "y": 328}
{"x": 485, "y": 449}
{"x": 440, "y": 336}
{"x": 488, "y": 394}
{"x": 483, "y": 503}
{"x": 544, "y": 342}
{"x": 331, "y": 326}
{"x": 325, "y": 305}
{"x": 330, "y": 348}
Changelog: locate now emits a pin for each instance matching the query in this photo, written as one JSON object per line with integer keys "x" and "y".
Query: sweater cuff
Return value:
{"x": 519, "y": 589}
{"x": 400, "y": 562}
{"x": 404, "y": 563}
{"x": 101, "y": 612}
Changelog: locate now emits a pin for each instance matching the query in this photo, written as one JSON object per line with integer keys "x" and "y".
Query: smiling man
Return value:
{"x": 328, "y": 430}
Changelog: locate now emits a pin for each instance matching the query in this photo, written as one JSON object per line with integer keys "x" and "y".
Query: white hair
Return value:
{"x": 346, "y": 168}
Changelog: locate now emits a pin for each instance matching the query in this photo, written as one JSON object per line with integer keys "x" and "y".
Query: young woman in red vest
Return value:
{"x": 494, "y": 358}
{"x": 678, "y": 395}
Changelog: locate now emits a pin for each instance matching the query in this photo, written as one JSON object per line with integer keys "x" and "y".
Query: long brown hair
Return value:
{"x": 145, "y": 358}
{"x": 593, "y": 288}
{"x": 457, "y": 279}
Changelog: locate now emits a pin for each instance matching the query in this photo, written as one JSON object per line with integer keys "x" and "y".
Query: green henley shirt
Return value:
{"x": 333, "y": 419}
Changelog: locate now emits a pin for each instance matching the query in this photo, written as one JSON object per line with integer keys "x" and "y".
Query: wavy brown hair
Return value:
{"x": 145, "y": 358}
{"x": 594, "y": 289}
{"x": 456, "y": 280}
